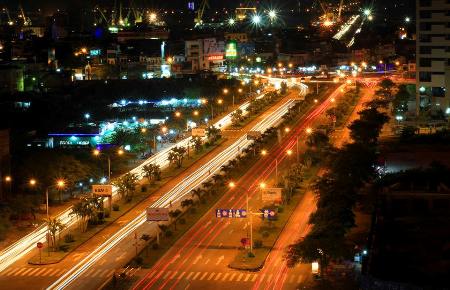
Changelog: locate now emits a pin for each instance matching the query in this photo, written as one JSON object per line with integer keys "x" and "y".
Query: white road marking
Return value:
{"x": 247, "y": 277}
{"x": 181, "y": 275}
{"x": 232, "y": 277}
{"x": 203, "y": 276}
{"x": 211, "y": 276}
{"x": 225, "y": 276}
{"x": 299, "y": 278}
{"x": 173, "y": 275}
{"x": 34, "y": 271}
{"x": 218, "y": 276}
{"x": 254, "y": 277}
{"x": 207, "y": 261}
{"x": 20, "y": 271}
{"x": 196, "y": 275}
{"x": 167, "y": 274}
{"x": 26, "y": 271}
{"x": 189, "y": 276}
{"x": 240, "y": 277}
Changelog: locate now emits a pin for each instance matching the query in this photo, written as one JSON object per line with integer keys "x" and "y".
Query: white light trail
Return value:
{"x": 178, "y": 193}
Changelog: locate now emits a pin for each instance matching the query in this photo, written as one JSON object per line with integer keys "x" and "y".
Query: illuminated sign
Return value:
{"x": 215, "y": 57}
{"x": 231, "y": 50}
{"x": 95, "y": 52}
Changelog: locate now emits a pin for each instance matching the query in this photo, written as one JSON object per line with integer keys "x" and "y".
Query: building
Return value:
{"x": 205, "y": 54}
{"x": 432, "y": 55}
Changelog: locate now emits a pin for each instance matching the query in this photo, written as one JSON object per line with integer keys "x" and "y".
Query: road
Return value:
{"x": 93, "y": 263}
{"x": 26, "y": 245}
{"x": 199, "y": 259}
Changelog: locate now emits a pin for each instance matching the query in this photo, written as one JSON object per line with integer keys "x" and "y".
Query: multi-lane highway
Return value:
{"x": 200, "y": 258}
{"x": 117, "y": 241}
{"x": 27, "y": 244}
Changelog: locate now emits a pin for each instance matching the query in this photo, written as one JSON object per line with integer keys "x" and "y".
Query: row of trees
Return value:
{"x": 348, "y": 170}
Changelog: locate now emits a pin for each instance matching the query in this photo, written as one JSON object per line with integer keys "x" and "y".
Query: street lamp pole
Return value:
{"x": 109, "y": 169}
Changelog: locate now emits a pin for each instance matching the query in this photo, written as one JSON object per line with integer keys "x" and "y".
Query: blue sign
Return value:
{"x": 268, "y": 213}
{"x": 231, "y": 213}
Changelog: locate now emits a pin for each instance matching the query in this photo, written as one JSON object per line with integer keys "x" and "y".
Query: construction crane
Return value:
{"x": 199, "y": 18}
{"x": 26, "y": 20}
{"x": 10, "y": 21}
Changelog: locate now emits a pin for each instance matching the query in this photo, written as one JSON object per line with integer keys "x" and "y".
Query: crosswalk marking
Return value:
{"x": 218, "y": 276}
{"x": 18, "y": 272}
{"x": 26, "y": 271}
{"x": 196, "y": 275}
{"x": 167, "y": 274}
{"x": 247, "y": 277}
{"x": 225, "y": 276}
{"x": 240, "y": 277}
{"x": 232, "y": 277}
{"x": 34, "y": 271}
{"x": 7, "y": 271}
{"x": 189, "y": 276}
{"x": 181, "y": 275}
{"x": 203, "y": 276}
{"x": 299, "y": 278}
{"x": 211, "y": 275}
{"x": 254, "y": 277}
{"x": 53, "y": 271}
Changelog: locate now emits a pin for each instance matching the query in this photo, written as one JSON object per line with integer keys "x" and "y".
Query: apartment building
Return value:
{"x": 433, "y": 55}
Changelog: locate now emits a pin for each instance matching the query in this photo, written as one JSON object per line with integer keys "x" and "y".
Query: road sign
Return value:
{"x": 102, "y": 190}
{"x": 157, "y": 214}
{"x": 253, "y": 135}
{"x": 231, "y": 213}
{"x": 39, "y": 245}
{"x": 198, "y": 132}
{"x": 268, "y": 213}
{"x": 272, "y": 194}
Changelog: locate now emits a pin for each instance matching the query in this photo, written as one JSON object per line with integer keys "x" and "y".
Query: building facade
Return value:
{"x": 433, "y": 55}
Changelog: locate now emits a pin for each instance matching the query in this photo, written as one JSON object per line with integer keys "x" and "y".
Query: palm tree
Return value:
{"x": 174, "y": 215}
{"x": 54, "y": 225}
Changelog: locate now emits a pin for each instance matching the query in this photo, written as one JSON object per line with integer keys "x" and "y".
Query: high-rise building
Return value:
{"x": 433, "y": 55}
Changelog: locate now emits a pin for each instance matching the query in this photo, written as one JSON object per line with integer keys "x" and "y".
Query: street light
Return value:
{"x": 60, "y": 183}
{"x": 87, "y": 116}
{"x": 225, "y": 91}
{"x": 33, "y": 182}
{"x": 97, "y": 152}
{"x": 256, "y": 19}
{"x": 309, "y": 130}
{"x": 289, "y": 152}
{"x": 287, "y": 129}
{"x": 264, "y": 152}
{"x": 177, "y": 114}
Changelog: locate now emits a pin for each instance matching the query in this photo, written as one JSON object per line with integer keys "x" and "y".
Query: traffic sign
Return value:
{"x": 231, "y": 213}
{"x": 39, "y": 245}
{"x": 157, "y": 214}
{"x": 268, "y": 213}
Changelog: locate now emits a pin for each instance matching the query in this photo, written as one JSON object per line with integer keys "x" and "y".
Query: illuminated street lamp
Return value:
{"x": 87, "y": 116}
{"x": 177, "y": 114}
{"x": 225, "y": 91}
{"x": 97, "y": 152}
{"x": 367, "y": 12}
{"x": 33, "y": 182}
{"x": 196, "y": 113}
{"x": 407, "y": 19}
{"x": 256, "y": 20}
{"x": 309, "y": 130}
{"x": 262, "y": 185}
{"x": 231, "y": 21}
{"x": 287, "y": 129}
{"x": 264, "y": 152}
{"x": 143, "y": 130}
{"x": 272, "y": 14}
{"x": 289, "y": 152}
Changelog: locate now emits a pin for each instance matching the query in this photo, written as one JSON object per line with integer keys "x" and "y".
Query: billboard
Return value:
{"x": 272, "y": 195}
{"x": 198, "y": 132}
{"x": 156, "y": 214}
{"x": 231, "y": 50}
{"x": 212, "y": 47}
{"x": 246, "y": 49}
{"x": 102, "y": 190}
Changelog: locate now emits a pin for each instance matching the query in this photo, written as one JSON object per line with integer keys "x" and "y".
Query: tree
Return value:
{"x": 197, "y": 144}
{"x": 176, "y": 156}
{"x": 385, "y": 89}
{"x": 146, "y": 238}
{"x": 318, "y": 139}
{"x": 174, "y": 214}
{"x": 237, "y": 117}
{"x": 54, "y": 226}
{"x": 283, "y": 88}
{"x": 187, "y": 203}
{"x": 152, "y": 172}
{"x": 213, "y": 134}
{"x": 126, "y": 185}
{"x": 367, "y": 129}
{"x": 401, "y": 98}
